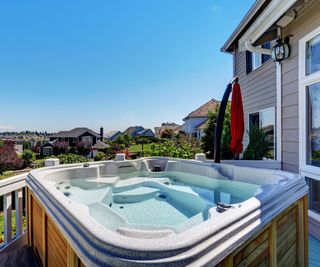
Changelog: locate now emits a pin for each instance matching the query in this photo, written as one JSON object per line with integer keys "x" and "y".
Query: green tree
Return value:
{"x": 207, "y": 141}
{"x": 119, "y": 140}
{"x": 28, "y": 156}
{"x": 127, "y": 139}
{"x": 26, "y": 145}
{"x": 226, "y": 136}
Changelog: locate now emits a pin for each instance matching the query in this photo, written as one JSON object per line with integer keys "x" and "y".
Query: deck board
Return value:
{"x": 23, "y": 257}
{"x": 314, "y": 251}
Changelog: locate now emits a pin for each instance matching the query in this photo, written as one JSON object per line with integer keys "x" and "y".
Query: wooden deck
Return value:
{"x": 314, "y": 252}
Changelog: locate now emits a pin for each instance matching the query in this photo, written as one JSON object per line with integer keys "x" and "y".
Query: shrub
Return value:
{"x": 8, "y": 157}
{"x": 175, "y": 150}
{"x": 83, "y": 148}
{"x": 71, "y": 158}
{"x": 259, "y": 145}
{"x": 28, "y": 156}
{"x": 100, "y": 156}
{"x": 38, "y": 163}
{"x": 60, "y": 148}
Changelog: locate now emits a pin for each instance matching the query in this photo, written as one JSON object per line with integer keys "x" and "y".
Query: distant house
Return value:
{"x": 196, "y": 118}
{"x": 98, "y": 146}
{"x": 133, "y": 130}
{"x": 145, "y": 133}
{"x": 72, "y": 137}
{"x": 76, "y": 135}
{"x": 113, "y": 135}
{"x": 46, "y": 149}
{"x": 176, "y": 128}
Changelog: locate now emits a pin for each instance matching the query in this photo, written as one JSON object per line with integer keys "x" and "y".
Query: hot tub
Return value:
{"x": 161, "y": 211}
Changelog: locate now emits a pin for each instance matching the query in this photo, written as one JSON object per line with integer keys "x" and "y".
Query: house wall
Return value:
{"x": 258, "y": 87}
{"x": 191, "y": 123}
{"x": 306, "y": 21}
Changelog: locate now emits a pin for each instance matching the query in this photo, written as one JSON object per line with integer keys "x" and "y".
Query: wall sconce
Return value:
{"x": 281, "y": 50}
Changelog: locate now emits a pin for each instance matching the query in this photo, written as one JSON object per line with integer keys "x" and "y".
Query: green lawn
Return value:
{"x": 138, "y": 148}
{"x": 7, "y": 174}
{"x": 13, "y": 225}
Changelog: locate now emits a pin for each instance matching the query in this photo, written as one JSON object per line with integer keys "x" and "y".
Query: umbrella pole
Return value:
{"x": 219, "y": 125}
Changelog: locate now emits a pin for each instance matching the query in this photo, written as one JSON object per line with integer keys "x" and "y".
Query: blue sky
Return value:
{"x": 108, "y": 63}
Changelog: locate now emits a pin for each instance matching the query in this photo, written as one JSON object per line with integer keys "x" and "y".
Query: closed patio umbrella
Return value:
{"x": 236, "y": 121}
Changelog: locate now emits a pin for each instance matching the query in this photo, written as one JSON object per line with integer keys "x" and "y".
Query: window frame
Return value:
{"x": 274, "y": 130}
{"x": 251, "y": 55}
{"x": 305, "y": 80}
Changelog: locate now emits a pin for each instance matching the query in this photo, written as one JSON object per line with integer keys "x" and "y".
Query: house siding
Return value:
{"x": 192, "y": 123}
{"x": 258, "y": 87}
{"x": 306, "y": 21}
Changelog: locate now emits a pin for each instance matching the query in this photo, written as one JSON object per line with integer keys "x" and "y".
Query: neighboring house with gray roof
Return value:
{"x": 145, "y": 133}
{"x": 113, "y": 135}
{"x": 133, "y": 130}
{"x": 197, "y": 117}
{"x": 76, "y": 135}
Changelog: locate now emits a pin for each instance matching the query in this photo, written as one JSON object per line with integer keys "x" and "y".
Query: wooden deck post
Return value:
{"x": 7, "y": 212}
{"x": 302, "y": 237}
{"x": 273, "y": 244}
{"x": 29, "y": 215}
{"x": 19, "y": 215}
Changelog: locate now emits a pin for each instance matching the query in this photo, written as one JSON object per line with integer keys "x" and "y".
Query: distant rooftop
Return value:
{"x": 111, "y": 133}
{"x": 203, "y": 111}
{"x": 76, "y": 132}
{"x": 133, "y": 130}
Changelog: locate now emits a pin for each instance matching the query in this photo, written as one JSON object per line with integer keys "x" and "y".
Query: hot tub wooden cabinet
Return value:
{"x": 260, "y": 238}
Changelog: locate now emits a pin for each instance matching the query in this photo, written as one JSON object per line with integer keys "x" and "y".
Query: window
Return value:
{"x": 313, "y": 124}
{"x": 255, "y": 60}
{"x": 314, "y": 195}
{"x": 47, "y": 151}
{"x": 87, "y": 139}
{"x": 313, "y": 55}
{"x": 265, "y": 119}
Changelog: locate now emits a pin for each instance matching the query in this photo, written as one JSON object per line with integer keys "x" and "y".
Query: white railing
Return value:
{"x": 7, "y": 186}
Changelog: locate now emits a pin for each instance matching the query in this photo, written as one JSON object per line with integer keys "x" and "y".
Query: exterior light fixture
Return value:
{"x": 280, "y": 51}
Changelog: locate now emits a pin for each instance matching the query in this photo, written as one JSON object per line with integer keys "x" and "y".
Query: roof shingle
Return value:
{"x": 203, "y": 111}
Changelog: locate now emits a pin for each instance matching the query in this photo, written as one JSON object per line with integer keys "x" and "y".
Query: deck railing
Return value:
{"x": 8, "y": 187}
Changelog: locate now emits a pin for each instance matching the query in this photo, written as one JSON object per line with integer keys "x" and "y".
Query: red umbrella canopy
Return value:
{"x": 236, "y": 120}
